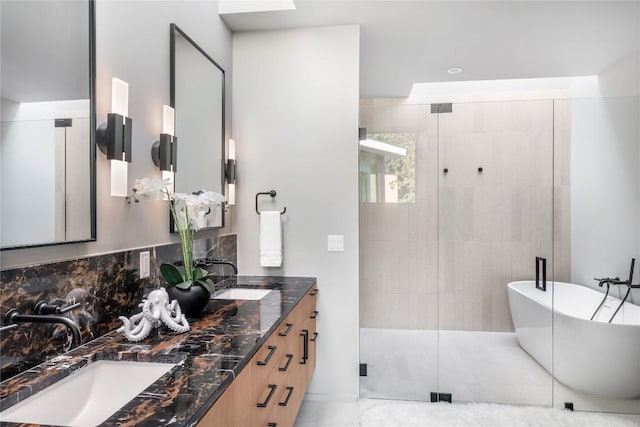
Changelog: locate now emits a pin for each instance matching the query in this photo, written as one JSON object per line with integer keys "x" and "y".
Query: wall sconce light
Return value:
{"x": 164, "y": 151}
{"x": 230, "y": 172}
{"x": 114, "y": 137}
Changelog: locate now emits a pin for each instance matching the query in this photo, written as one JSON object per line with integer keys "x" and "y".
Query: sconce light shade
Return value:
{"x": 114, "y": 137}
{"x": 232, "y": 195}
{"x": 119, "y": 178}
{"x": 232, "y": 149}
{"x": 119, "y": 97}
{"x": 168, "y": 120}
{"x": 230, "y": 172}
{"x": 164, "y": 151}
{"x": 168, "y": 177}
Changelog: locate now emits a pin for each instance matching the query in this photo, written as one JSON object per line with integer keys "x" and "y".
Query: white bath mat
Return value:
{"x": 482, "y": 415}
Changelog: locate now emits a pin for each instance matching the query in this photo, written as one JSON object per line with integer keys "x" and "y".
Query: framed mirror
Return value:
{"x": 197, "y": 95}
{"x": 47, "y": 150}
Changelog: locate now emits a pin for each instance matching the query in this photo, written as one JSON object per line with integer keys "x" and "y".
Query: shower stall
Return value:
{"x": 458, "y": 199}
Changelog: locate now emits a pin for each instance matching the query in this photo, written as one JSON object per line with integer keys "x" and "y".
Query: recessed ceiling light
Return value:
{"x": 454, "y": 70}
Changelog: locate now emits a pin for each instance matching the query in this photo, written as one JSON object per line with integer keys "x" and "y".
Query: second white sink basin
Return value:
{"x": 89, "y": 396}
{"x": 243, "y": 293}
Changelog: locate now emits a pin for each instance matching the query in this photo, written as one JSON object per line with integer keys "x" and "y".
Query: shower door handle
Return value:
{"x": 541, "y": 285}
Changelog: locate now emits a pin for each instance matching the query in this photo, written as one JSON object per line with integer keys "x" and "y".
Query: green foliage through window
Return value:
{"x": 388, "y": 179}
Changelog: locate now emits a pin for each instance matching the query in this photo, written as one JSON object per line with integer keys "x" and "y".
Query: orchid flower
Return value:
{"x": 189, "y": 215}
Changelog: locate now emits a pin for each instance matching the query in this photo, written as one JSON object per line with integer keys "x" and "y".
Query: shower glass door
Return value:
{"x": 495, "y": 218}
{"x": 456, "y": 202}
{"x": 398, "y": 251}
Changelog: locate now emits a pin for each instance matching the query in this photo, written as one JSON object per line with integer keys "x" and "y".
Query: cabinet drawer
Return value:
{"x": 270, "y": 389}
{"x": 287, "y": 405}
{"x": 264, "y": 361}
{"x": 253, "y": 406}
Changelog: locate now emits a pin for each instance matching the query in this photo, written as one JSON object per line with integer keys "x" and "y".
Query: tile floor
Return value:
{"x": 473, "y": 366}
{"x": 406, "y": 365}
{"x": 341, "y": 414}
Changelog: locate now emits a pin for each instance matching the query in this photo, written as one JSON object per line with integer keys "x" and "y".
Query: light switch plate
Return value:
{"x": 145, "y": 269}
{"x": 335, "y": 243}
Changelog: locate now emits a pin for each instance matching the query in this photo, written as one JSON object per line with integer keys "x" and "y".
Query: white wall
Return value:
{"x": 132, "y": 43}
{"x": 605, "y": 177}
{"x": 295, "y": 121}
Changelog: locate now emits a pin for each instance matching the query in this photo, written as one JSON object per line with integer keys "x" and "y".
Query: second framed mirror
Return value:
{"x": 197, "y": 94}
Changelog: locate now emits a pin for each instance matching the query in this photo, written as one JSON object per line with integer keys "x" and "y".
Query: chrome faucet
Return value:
{"x": 14, "y": 316}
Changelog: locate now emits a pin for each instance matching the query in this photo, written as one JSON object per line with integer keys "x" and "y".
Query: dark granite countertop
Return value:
{"x": 220, "y": 343}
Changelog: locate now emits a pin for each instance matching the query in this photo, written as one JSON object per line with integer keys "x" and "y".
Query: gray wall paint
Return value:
{"x": 295, "y": 121}
{"x": 605, "y": 179}
{"x": 604, "y": 188}
{"x": 132, "y": 43}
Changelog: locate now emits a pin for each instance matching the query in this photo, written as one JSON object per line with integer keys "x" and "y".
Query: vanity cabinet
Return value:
{"x": 269, "y": 390}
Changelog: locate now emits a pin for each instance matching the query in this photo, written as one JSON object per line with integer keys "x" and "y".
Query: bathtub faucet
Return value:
{"x": 608, "y": 281}
{"x": 616, "y": 281}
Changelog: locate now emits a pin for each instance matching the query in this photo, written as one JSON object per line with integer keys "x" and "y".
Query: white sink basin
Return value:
{"x": 89, "y": 396}
{"x": 243, "y": 293}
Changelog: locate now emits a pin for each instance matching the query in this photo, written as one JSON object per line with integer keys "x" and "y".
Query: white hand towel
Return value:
{"x": 270, "y": 239}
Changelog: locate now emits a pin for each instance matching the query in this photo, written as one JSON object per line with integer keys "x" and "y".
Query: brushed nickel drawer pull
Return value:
{"x": 286, "y": 331}
{"x": 286, "y": 401}
{"x": 314, "y": 315}
{"x": 272, "y": 349}
{"x": 286, "y": 366}
{"x": 264, "y": 404}
{"x": 315, "y": 336}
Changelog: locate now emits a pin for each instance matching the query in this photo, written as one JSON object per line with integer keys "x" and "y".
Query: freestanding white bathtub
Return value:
{"x": 592, "y": 356}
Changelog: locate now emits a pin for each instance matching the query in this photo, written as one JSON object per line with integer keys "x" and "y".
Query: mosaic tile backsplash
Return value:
{"x": 107, "y": 286}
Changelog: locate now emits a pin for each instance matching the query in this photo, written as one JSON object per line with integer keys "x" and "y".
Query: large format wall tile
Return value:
{"x": 469, "y": 233}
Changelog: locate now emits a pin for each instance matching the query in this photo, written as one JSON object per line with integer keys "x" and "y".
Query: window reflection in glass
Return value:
{"x": 387, "y": 168}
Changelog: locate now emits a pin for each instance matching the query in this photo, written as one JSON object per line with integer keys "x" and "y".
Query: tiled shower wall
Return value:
{"x": 444, "y": 261}
{"x": 108, "y": 286}
{"x": 399, "y": 241}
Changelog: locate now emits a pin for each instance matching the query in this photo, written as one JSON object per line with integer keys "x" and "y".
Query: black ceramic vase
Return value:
{"x": 192, "y": 300}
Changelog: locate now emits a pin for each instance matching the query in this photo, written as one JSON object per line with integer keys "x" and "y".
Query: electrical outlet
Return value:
{"x": 145, "y": 269}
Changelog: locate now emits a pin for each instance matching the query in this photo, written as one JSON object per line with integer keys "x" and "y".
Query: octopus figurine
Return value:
{"x": 156, "y": 310}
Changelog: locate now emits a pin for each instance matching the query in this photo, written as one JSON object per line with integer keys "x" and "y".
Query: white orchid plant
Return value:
{"x": 188, "y": 212}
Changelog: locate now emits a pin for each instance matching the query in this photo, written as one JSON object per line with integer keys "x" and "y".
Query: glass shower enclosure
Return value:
{"x": 462, "y": 206}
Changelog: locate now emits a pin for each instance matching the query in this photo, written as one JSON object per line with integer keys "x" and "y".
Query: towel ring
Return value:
{"x": 271, "y": 193}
